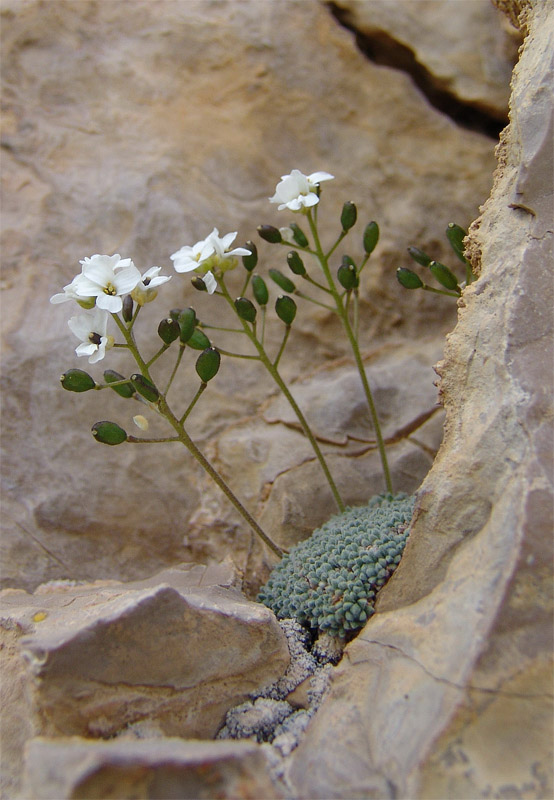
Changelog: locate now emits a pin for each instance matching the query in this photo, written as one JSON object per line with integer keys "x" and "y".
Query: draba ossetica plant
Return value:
{"x": 110, "y": 292}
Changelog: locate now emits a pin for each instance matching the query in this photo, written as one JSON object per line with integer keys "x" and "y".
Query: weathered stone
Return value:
{"x": 474, "y": 68}
{"x": 177, "y": 651}
{"x": 183, "y": 119}
{"x": 448, "y": 691}
{"x": 67, "y": 769}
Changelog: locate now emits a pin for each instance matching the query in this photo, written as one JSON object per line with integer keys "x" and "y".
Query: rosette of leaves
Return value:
{"x": 329, "y": 581}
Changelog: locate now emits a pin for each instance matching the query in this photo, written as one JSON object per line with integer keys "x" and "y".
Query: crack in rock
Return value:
{"x": 383, "y": 49}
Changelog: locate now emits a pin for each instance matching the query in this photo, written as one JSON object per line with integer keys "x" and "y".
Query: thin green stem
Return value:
{"x": 334, "y": 247}
{"x": 142, "y": 440}
{"x": 219, "y": 328}
{"x": 237, "y": 355}
{"x": 315, "y": 283}
{"x": 264, "y": 358}
{"x": 193, "y": 403}
{"x": 439, "y": 291}
{"x": 315, "y": 302}
{"x": 355, "y": 350}
{"x": 175, "y": 368}
{"x": 356, "y": 314}
{"x": 155, "y": 357}
{"x": 282, "y": 348}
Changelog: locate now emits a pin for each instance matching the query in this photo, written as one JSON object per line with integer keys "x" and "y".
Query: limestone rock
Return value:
{"x": 473, "y": 67}
{"x": 448, "y": 691}
{"x": 177, "y": 651}
{"x": 184, "y": 118}
{"x": 66, "y": 769}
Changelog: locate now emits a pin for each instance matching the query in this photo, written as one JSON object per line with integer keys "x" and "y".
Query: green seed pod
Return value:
{"x": 144, "y": 387}
{"x": 174, "y": 313}
{"x": 443, "y": 275}
{"x": 348, "y": 216}
{"x": 198, "y": 340}
{"x": 408, "y": 279}
{"x": 108, "y": 433}
{"x": 124, "y": 389}
{"x": 250, "y": 262}
{"x": 286, "y": 309}
{"x": 456, "y": 235}
{"x": 281, "y": 280}
{"x": 77, "y": 380}
{"x": 260, "y": 290}
{"x": 207, "y": 364}
{"x": 127, "y": 310}
{"x": 298, "y": 235}
{"x": 270, "y": 234}
{"x": 371, "y": 237}
{"x": 187, "y": 323}
{"x": 348, "y": 276}
{"x": 169, "y": 330}
{"x": 419, "y": 256}
{"x": 295, "y": 263}
{"x": 245, "y": 309}
{"x": 199, "y": 284}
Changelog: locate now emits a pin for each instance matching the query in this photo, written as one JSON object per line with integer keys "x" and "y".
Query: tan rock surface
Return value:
{"x": 448, "y": 691}
{"x": 73, "y": 768}
{"x": 175, "y": 651}
{"x": 137, "y": 133}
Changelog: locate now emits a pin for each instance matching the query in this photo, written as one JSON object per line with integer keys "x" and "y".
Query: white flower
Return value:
{"x": 210, "y": 282}
{"x": 70, "y": 293}
{"x": 145, "y": 291}
{"x": 91, "y": 328}
{"x": 188, "y": 258}
{"x": 297, "y": 191}
{"x": 107, "y": 278}
{"x": 221, "y": 245}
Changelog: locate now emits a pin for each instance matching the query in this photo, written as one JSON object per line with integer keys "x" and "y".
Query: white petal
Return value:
{"x": 126, "y": 280}
{"x": 210, "y": 282}
{"x": 109, "y": 302}
{"x": 85, "y": 349}
{"x": 319, "y": 177}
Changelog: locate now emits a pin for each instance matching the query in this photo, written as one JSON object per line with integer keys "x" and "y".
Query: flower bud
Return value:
{"x": 199, "y": 284}
{"x": 408, "y": 279}
{"x": 169, "y": 330}
{"x": 371, "y": 237}
{"x": 260, "y": 290}
{"x": 108, "y": 433}
{"x": 270, "y": 234}
{"x": 419, "y": 256}
{"x": 295, "y": 263}
{"x": 245, "y": 309}
{"x": 348, "y": 216}
{"x": 281, "y": 280}
{"x": 127, "y": 310}
{"x": 77, "y": 380}
{"x": 250, "y": 262}
{"x": 286, "y": 309}
{"x": 456, "y": 235}
{"x": 145, "y": 387}
{"x": 198, "y": 340}
{"x": 299, "y": 235}
{"x": 347, "y": 274}
{"x": 187, "y": 323}
{"x": 207, "y": 364}
{"x": 124, "y": 389}
{"x": 86, "y": 302}
{"x": 443, "y": 275}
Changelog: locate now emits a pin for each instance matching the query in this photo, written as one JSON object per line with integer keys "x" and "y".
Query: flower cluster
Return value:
{"x": 209, "y": 257}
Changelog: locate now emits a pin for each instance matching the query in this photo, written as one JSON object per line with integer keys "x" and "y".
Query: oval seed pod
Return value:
{"x": 77, "y": 380}
{"x": 419, "y": 256}
{"x": 281, "y": 280}
{"x": 187, "y": 323}
{"x": 456, "y": 235}
{"x": 174, "y": 313}
{"x": 408, "y": 279}
{"x": 295, "y": 263}
{"x": 260, "y": 290}
{"x": 348, "y": 216}
{"x": 371, "y": 237}
{"x": 108, "y": 433}
{"x": 127, "y": 309}
{"x": 169, "y": 330}
{"x": 348, "y": 276}
{"x": 198, "y": 340}
{"x": 124, "y": 389}
{"x": 144, "y": 387}
{"x": 199, "y": 284}
{"x": 245, "y": 309}
{"x": 207, "y": 364}
{"x": 270, "y": 233}
{"x": 444, "y": 276}
{"x": 298, "y": 235}
{"x": 285, "y": 308}
{"x": 250, "y": 262}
